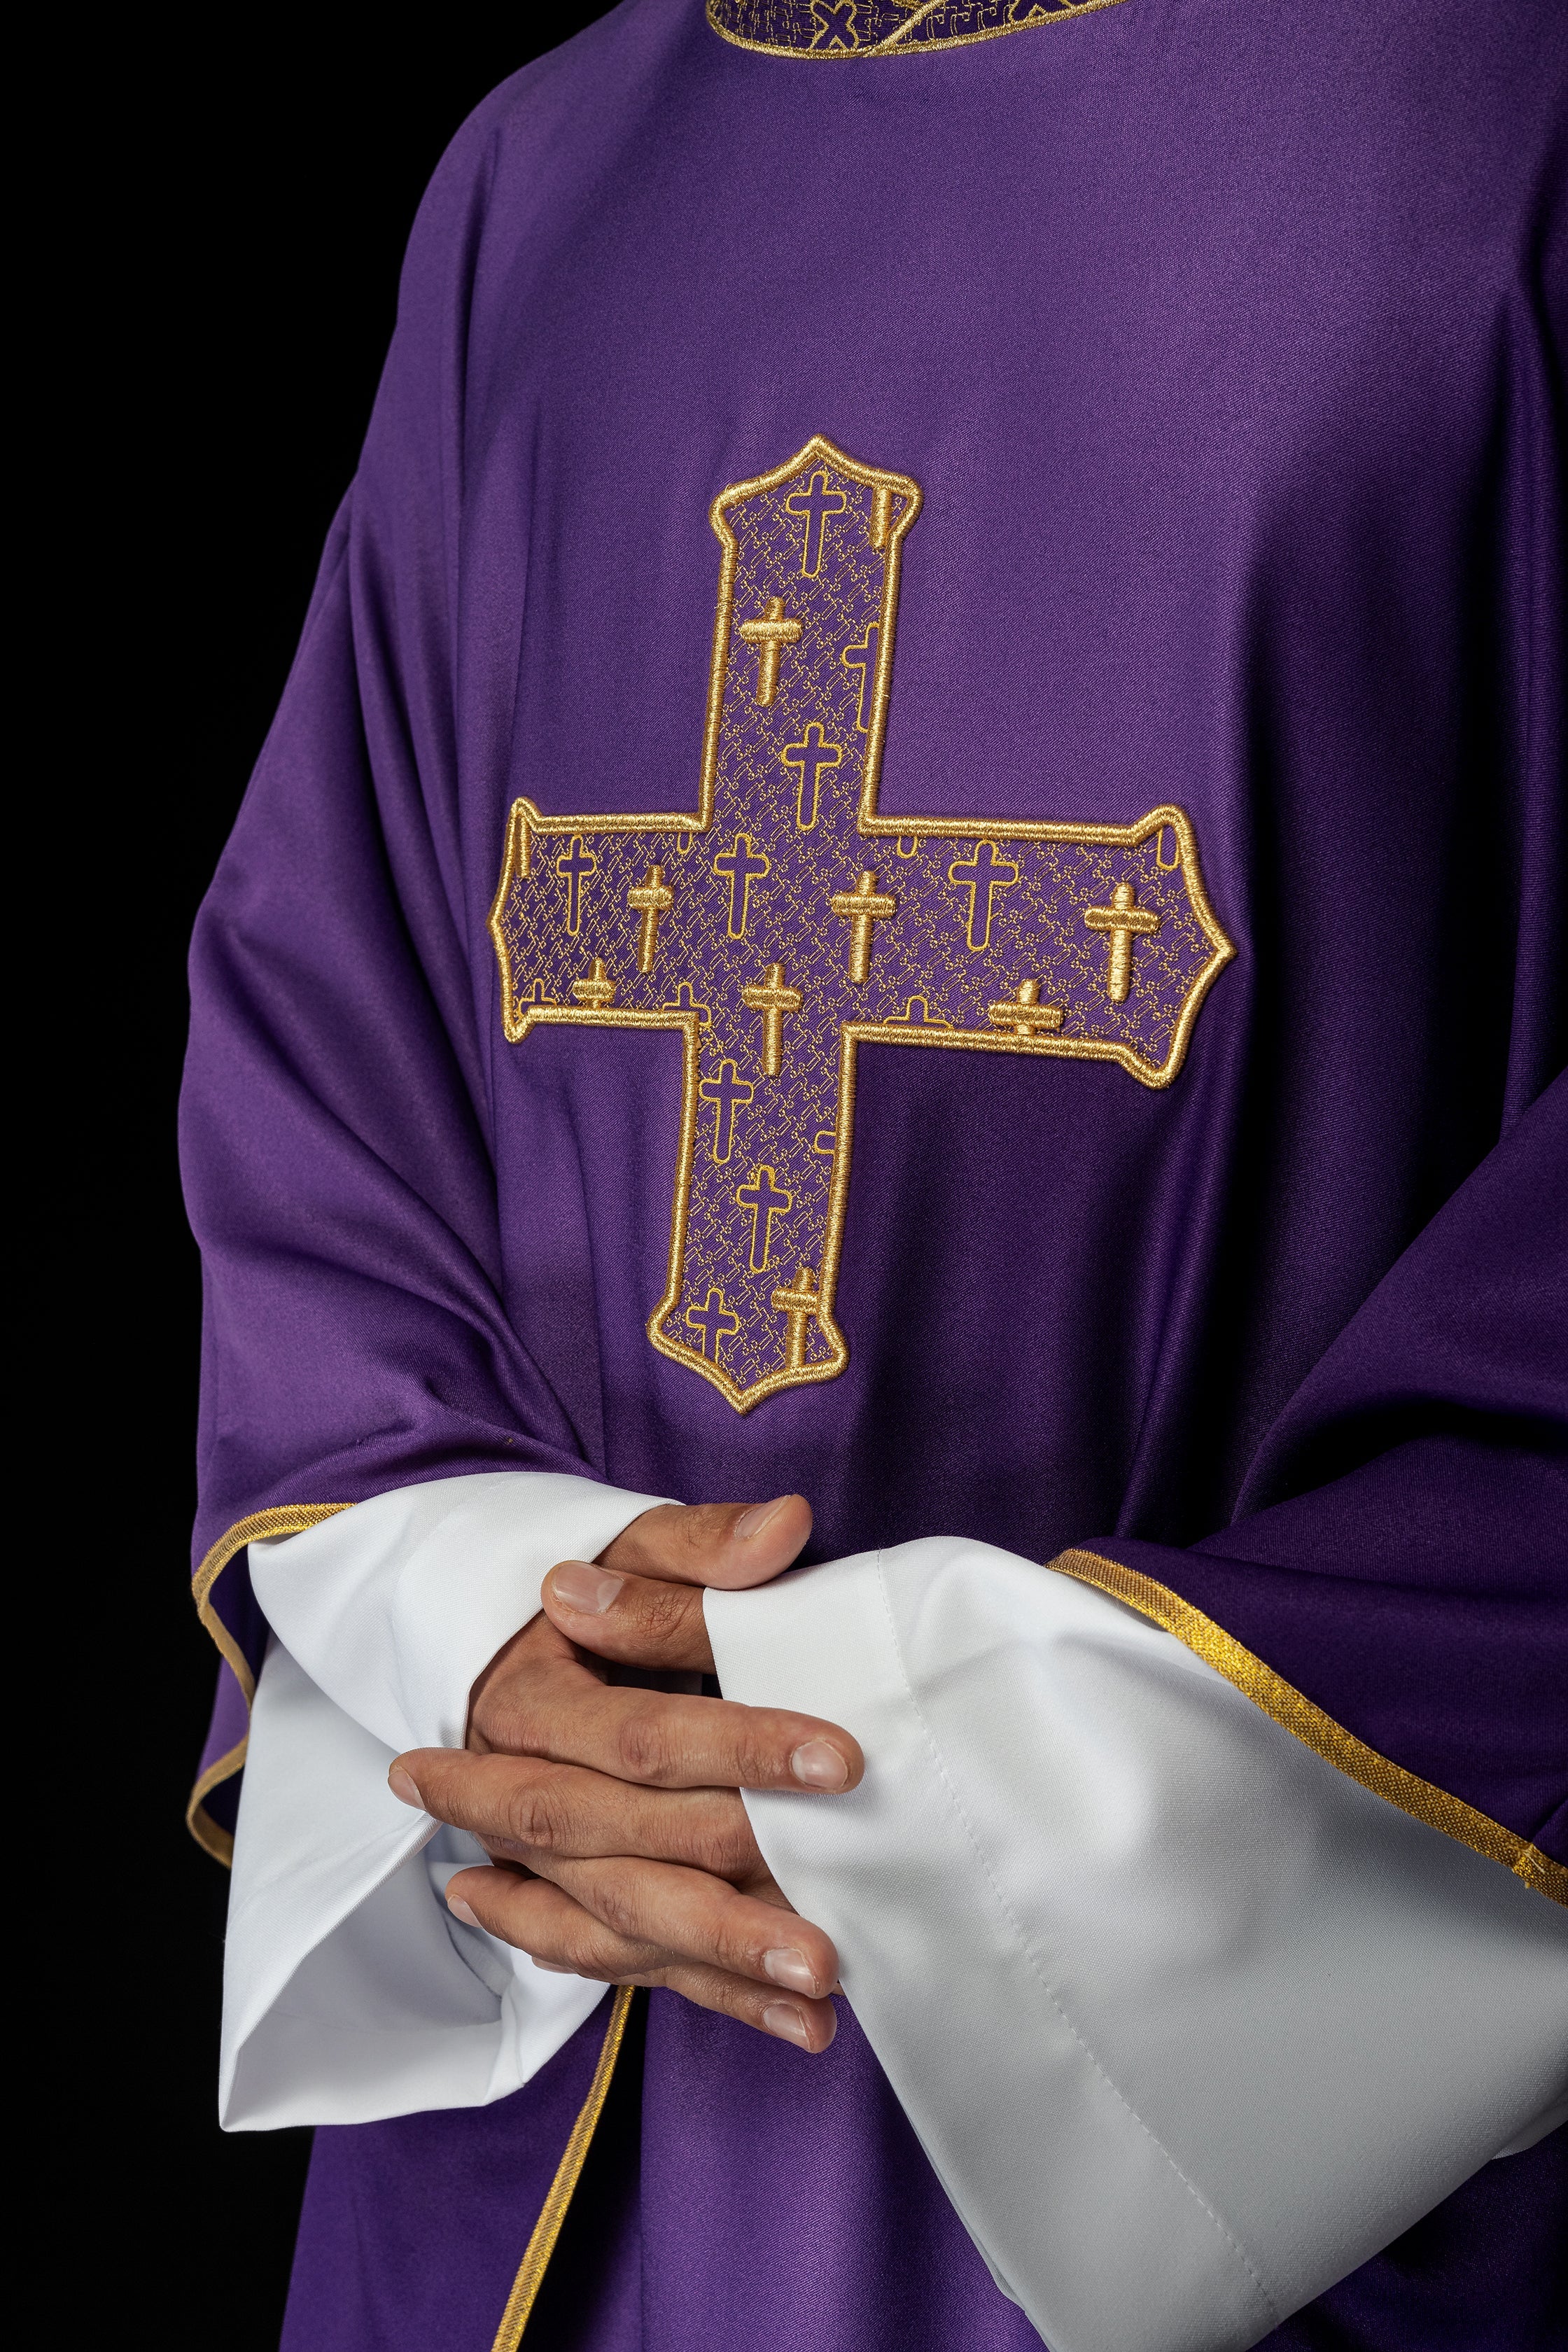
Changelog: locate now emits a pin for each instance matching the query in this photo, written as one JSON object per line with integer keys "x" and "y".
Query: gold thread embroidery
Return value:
{"x": 285, "y": 1519}
{"x": 798, "y": 1302}
{"x": 764, "y": 1198}
{"x": 770, "y": 636}
{"x": 810, "y": 755}
{"x": 1125, "y": 921}
{"x": 714, "y": 1323}
{"x": 862, "y": 658}
{"x": 728, "y": 1092}
{"x": 1024, "y": 1014}
{"x": 773, "y": 1000}
{"x": 813, "y": 29}
{"x": 652, "y": 898}
{"x": 817, "y": 505}
{"x": 1285, "y": 1705}
{"x": 597, "y": 989}
{"x": 862, "y": 908}
{"x": 985, "y": 946}
{"x": 574, "y": 865}
{"x": 743, "y": 867}
{"x": 547, "y": 2230}
{"x": 981, "y": 877}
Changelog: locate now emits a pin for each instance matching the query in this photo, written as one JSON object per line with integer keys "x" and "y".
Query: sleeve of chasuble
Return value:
{"x": 334, "y": 1129}
{"x": 349, "y": 1991}
{"x": 357, "y": 1346}
{"x": 1205, "y": 1906}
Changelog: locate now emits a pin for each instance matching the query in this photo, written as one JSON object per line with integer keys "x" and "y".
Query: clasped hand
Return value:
{"x": 612, "y": 1814}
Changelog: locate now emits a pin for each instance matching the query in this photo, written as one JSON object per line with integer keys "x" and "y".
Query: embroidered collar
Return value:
{"x": 881, "y": 29}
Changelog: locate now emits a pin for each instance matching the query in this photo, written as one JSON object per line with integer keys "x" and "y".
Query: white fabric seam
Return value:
{"x": 1221, "y": 2227}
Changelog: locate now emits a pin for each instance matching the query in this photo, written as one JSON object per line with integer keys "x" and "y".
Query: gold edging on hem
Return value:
{"x": 898, "y": 43}
{"x": 1306, "y": 1722}
{"x": 287, "y": 1519}
{"x": 552, "y": 2214}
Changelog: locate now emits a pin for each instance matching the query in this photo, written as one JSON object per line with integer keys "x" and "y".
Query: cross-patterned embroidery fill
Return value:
{"x": 783, "y": 924}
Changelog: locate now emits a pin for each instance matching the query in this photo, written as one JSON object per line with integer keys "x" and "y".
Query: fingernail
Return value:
{"x": 790, "y": 1967}
{"x": 554, "y": 1968}
{"x": 751, "y": 1523}
{"x": 782, "y": 2017}
{"x": 581, "y": 1586}
{"x": 819, "y": 1765}
{"x": 459, "y": 1910}
{"x": 405, "y": 1789}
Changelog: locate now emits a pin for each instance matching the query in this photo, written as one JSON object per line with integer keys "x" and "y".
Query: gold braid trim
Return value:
{"x": 1276, "y": 1698}
{"x": 547, "y": 2229}
{"x": 288, "y": 1520}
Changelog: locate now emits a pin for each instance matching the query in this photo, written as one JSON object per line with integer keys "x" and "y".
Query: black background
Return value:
{"x": 231, "y": 281}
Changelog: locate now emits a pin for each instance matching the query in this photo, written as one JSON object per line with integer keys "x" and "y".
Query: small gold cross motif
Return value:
{"x": 773, "y": 1000}
{"x": 599, "y": 989}
{"x": 797, "y": 1300}
{"x": 652, "y": 898}
{"x": 1024, "y": 1014}
{"x": 770, "y": 637}
{"x": 861, "y": 908}
{"x": 1123, "y": 919}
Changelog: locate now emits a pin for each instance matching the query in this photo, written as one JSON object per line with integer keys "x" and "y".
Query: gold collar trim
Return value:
{"x": 882, "y": 28}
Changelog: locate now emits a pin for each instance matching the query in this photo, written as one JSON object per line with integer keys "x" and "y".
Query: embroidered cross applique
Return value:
{"x": 784, "y": 924}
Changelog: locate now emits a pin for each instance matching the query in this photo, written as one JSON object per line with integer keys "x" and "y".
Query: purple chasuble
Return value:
{"x": 916, "y": 851}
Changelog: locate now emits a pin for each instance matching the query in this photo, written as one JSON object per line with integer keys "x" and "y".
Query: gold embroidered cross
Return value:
{"x": 1125, "y": 920}
{"x": 1024, "y": 1014}
{"x": 651, "y": 899}
{"x": 773, "y": 1000}
{"x": 784, "y": 924}
{"x": 798, "y": 1302}
{"x": 770, "y": 636}
{"x": 599, "y": 989}
{"x": 862, "y": 908}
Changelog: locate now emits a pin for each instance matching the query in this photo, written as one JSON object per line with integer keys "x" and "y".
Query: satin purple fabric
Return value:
{"x": 1225, "y": 344}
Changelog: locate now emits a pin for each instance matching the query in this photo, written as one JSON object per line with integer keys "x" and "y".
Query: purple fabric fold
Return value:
{"x": 1402, "y": 1563}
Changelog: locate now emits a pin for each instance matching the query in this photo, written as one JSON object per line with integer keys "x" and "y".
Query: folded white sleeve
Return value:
{"x": 349, "y": 1991}
{"x": 1189, "y": 2023}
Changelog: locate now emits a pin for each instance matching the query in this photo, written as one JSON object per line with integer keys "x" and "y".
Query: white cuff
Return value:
{"x": 349, "y": 1991}
{"x": 395, "y": 1608}
{"x": 1188, "y": 2023}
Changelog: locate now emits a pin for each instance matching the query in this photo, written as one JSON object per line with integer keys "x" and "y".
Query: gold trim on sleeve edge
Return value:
{"x": 1269, "y": 1692}
{"x": 552, "y": 2213}
{"x": 287, "y": 1519}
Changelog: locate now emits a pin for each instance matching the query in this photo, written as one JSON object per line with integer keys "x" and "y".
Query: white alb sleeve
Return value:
{"x": 1189, "y": 2023}
{"x": 349, "y": 1991}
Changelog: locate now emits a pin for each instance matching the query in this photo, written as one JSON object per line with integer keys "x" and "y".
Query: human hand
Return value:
{"x": 623, "y": 1850}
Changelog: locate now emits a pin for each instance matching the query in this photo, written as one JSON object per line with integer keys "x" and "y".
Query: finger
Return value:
{"x": 670, "y": 1742}
{"x": 538, "y": 1659}
{"x": 689, "y": 1916}
{"x": 542, "y": 1919}
{"x": 636, "y": 1620}
{"x": 809, "y": 2025}
{"x": 734, "y": 1545}
{"x": 527, "y": 1808}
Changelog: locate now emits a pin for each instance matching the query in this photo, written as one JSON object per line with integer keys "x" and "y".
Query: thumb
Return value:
{"x": 731, "y": 1545}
